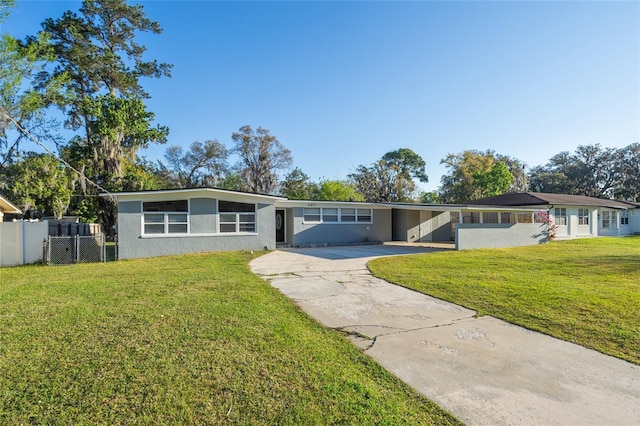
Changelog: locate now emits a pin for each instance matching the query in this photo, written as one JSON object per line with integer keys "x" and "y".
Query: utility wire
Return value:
{"x": 43, "y": 146}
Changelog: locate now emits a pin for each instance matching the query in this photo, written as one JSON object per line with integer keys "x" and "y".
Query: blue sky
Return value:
{"x": 342, "y": 83}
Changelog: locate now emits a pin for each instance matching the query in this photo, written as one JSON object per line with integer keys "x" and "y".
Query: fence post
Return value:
{"x": 77, "y": 248}
{"x": 48, "y": 242}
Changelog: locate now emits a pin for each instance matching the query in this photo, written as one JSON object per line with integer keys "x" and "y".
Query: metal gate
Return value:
{"x": 77, "y": 249}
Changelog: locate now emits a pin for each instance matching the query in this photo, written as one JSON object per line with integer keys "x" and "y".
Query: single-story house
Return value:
{"x": 164, "y": 222}
{"x": 7, "y": 207}
{"x": 575, "y": 216}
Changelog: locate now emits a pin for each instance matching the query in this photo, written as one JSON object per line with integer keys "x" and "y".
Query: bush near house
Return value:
{"x": 193, "y": 339}
{"x": 585, "y": 291}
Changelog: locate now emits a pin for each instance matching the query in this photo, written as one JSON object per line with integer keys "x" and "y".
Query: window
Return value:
{"x": 165, "y": 217}
{"x": 237, "y": 217}
{"x": 336, "y": 215}
{"x": 624, "y": 217}
{"x": 560, "y": 216}
{"x": 610, "y": 219}
{"x": 329, "y": 215}
{"x": 364, "y": 215}
{"x": 541, "y": 216}
{"x": 347, "y": 215}
{"x": 490, "y": 217}
{"x": 311, "y": 215}
{"x": 471, "y": 217}
{"x": 506, "y": 217}
{"x": 525, "y": 218}
{"x": 583, "y": 216}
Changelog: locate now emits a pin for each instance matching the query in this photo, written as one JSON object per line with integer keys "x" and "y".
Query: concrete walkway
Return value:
{"x": 482, "y": 370}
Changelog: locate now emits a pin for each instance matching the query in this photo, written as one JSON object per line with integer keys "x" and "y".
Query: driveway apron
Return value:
{"x": 483, "y": 370}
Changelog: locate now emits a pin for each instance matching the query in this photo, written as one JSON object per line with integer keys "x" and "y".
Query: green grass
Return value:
{"x": 584, "y": 291}
{"x": 192, "y": 339}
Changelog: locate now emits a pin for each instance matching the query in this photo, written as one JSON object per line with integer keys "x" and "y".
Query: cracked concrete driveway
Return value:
{"x": 483, "y": 370}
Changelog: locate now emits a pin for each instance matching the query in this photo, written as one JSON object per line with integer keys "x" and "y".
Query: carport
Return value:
{"x": 422, "y": 223}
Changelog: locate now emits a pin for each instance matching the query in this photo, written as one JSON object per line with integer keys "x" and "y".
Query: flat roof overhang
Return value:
{"x": 8, "y": 207}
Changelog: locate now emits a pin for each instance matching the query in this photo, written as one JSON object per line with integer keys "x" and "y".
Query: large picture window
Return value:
{"x": 237, "y": 217}
{"x": 336, "y": 215}
{"x": 165, "y": 217}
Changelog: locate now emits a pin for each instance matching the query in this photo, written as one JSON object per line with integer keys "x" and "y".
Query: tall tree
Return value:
{"x": 297, "y": 186}
{"x": 261, "y": 157}
{"x": 97, "y": 51}
{"x": 40, "y": 183}
{"x": 408, "y": 163}
{"x": 337, "y": 190}
{"x": 204, "y": 164}
{"x": 473, "y": 175}
{"x": 22, "y": 106}
{"x": 628, "y": 163}
{"x": 517, "y": 168}
{"x": 390, "y": 179}
{"x": 591, "y": 170}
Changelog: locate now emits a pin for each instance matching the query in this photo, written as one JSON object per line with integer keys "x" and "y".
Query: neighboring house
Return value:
{"x": 576, "y": 216}
{"x": 7, "y": 207}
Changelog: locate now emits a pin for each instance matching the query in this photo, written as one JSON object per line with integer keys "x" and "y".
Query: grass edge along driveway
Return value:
{"x": 194, "y": 339}
{"x": 585, "y": 291}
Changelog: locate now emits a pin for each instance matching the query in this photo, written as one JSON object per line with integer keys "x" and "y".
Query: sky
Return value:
{"x": 342, "y": 83}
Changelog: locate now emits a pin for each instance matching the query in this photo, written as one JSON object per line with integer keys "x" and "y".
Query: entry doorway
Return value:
{"x": 281, "y": 236}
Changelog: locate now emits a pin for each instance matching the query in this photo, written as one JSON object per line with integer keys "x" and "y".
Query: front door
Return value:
{"x": 280, "y": 231}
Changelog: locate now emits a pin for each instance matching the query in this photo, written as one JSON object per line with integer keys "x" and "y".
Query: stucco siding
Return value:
{"x": 341, "y": 233}
{"x": 421, "y": 225}
{"x": 203, "y": 215}
{"x": 499, "y": 235}
{"x": 439, "y": 227}
{"x": 202, "y": 236}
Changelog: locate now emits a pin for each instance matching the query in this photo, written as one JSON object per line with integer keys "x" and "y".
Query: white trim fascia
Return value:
{"x": 286, "y": 203}
{"x": 7, "y": 206}
{"x": 177, "y": 194}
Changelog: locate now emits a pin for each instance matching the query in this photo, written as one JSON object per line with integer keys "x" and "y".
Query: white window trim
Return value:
{"x": 237, "y": 221}
{"x": 166, "y": 222}
{"x": 556, "y": 217}
{"x": 357, "y": 213}
{"x": 586, "y": 216}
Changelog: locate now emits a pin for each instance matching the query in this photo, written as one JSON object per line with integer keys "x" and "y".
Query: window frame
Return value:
{"x": 167, "y": 216}
{"x": 239, "y": 218}
{"x": 336, "y": 215}
{"x": 583, "y": 217}
{"x": 624, "y": 217}
{"x": 558, "y": 214}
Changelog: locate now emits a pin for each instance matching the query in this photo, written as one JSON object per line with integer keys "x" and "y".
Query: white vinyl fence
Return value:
{"x": 21, "y": 242}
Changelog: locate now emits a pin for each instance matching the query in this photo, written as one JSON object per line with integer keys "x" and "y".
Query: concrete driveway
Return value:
{"x": 483, "y": 370}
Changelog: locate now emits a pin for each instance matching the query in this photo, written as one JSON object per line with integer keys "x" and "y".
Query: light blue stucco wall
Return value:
{"x": 499, "y": 235}
{"x": 202, "y": 237}
{"x": 340, "y": 233}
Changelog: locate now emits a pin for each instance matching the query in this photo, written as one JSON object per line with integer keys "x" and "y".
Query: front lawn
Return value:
{"x": 585, "y": 291}
{"x": 192, "y": 339}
